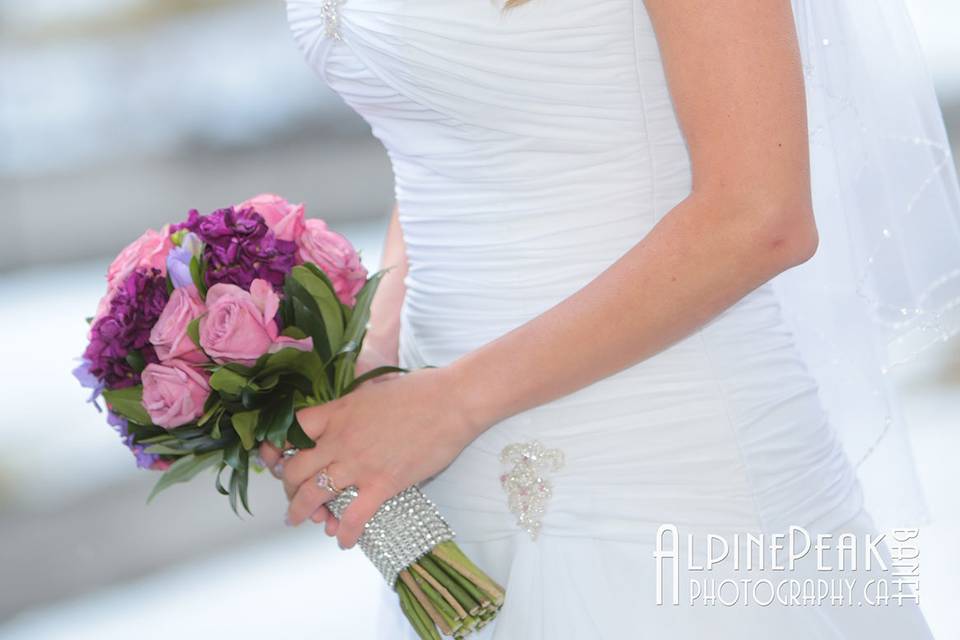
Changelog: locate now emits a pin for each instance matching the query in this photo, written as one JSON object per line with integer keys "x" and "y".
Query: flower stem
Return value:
{"x": 443, "y": 576}
{"x": 450, "y": 553}
{"x": 424, "y": 601}
{"x": 416, "y": 615}
{"x": 458, "y": 609}
{"x": 464, "y": 581}
{"x": 442, "y": 606}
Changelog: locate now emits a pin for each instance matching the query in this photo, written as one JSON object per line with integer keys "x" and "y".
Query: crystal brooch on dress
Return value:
{"x": 526, "y": 484}
{"x": 330, "y": 10}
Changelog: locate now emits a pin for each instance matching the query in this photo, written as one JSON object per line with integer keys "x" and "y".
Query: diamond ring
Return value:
{"x": 324, "y": 481}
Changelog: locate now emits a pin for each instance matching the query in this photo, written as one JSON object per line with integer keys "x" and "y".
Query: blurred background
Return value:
{"x": 118, "y": 115}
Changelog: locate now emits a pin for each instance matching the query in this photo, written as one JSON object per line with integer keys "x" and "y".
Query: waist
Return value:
{"x": 723, "y": 429}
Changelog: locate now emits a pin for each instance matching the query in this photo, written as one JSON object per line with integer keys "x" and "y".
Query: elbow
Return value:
{"x": 790, "y": 236}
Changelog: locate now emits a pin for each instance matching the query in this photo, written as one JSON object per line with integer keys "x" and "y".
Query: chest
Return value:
{"x": 545, "y": 65}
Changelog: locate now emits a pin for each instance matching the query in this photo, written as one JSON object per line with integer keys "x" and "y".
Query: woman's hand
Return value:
{"x": 385, "y": 436}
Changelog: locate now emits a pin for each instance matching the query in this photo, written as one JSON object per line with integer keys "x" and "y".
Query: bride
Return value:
{"x": 599, "y": 209}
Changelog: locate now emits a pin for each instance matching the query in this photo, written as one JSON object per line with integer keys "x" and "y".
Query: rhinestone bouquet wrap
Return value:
{"x": 440, "y": 589}
{"x": 404, "y": 528}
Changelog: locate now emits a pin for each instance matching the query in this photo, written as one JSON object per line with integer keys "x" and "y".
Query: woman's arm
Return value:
{"x": 381, "y": 343}
{"x": 734, "y": 71}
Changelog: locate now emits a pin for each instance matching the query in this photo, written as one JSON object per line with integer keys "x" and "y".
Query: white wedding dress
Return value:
{"x": 531, "y": 151}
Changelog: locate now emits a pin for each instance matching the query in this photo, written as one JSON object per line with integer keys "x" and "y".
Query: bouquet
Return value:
{"x": 215, "y": 331}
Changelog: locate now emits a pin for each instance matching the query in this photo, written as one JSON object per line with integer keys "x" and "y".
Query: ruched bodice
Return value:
{"x": 530, "y": 151}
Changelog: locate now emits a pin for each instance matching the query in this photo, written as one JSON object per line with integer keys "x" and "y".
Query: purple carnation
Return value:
{"x": 134, "y": 310}
{"x": 240, "y": 248}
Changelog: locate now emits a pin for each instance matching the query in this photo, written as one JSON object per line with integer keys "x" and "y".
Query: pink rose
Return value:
{"x": 284, "y": 219}
{"x": 335, "y": 256}
{"x": 149, "y": 251}
{"x": 169, "y": 335}
{"x": 241, "y": 326}
{"x": 174, "y": 393}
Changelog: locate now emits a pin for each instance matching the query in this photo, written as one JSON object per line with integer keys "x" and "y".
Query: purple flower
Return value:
{"x": 125, "y": 328}
{"x": 89, "y": 381}
{"x": 144, "y": 460}
{"x": 179, "y": 258}
{"x": 240, "y": 248}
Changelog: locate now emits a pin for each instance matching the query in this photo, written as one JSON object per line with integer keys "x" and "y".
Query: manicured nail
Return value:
{"x": 258, "y": 460}
{"x": 277, "y": 469}
{"x": 286, "y": 520}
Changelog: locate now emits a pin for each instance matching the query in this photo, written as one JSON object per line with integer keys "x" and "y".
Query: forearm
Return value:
{"x": 384, "y": 328}
{"x": 698, "y": 260}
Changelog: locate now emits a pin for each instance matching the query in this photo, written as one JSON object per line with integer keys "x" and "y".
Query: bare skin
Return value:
{"x": 734, "y": 72}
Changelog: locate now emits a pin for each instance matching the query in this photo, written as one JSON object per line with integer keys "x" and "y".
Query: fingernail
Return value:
{"x": 286, "y": 521}
{"x": 258, "y": 460}
{"x": 277, "y": 470}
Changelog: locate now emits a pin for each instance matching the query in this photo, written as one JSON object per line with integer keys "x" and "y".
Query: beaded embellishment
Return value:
{"x": 330, "y": 10}
{"x": 526, "y": 484}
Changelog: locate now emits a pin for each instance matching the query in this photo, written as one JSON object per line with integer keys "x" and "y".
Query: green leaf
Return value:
{"x": 184, "y": 469}
{"x": 242, "y": 485}
{"x": 360, "y": 314}
{"x": 293, "y": 332}
{"x": 136, "y": 361}
{"x": 275, "y": 420}
{"x": 167, "y": 450}
{"x": 234, "y": 489}
{"x": 310, "y": 321}
{"x": 318, "y": 285}
{"x": 231, "y": 454}
{"x": 208, "y": 415}
{"x": 197, "y": 271}
{"x": 355, "y": 331}
{"x": 298, "y": 437}
{"x": 219, "y": 485}
{"x": 238, "y": 483}
{"x": 128, "y": 402}
{"x": 193, "y": 331}
{"x": 373, "y": 373}
{"x": 228, "y": 381}
{"x": 264, "y": 382}
{"x": 244, "y": 424}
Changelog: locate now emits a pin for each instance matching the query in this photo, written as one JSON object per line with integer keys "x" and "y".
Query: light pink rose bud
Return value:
{"x": 284, "y": 219}
{"x": 169, "y": 336}
{"x": 149, "y": 251}
{"x": 335, "y": 256}
{"x": 240, "y": 326}
{"x": 174, "y": 393}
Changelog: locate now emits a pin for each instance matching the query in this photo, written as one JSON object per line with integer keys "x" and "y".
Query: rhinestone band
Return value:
{"x": 404, "y": 528}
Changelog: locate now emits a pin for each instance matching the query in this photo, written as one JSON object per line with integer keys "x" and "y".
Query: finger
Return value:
{"x": 269, "y": 454}
{"x": 320, "y": 515}
{"x": 359, "y": 511}
{"x": 310, "y": 496}
{"x": 313, "y": 420}
{"x": 332, "y": 525}
{"x": 305, "y": 464}
{"x": 281, "y": 459}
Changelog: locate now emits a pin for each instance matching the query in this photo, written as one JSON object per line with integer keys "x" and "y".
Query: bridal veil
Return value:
{"x": 884, "y": 285}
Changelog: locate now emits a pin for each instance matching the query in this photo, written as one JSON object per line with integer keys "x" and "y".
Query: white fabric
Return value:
{"x": 884, "y": 285}
{"x": 530, "y": 151}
